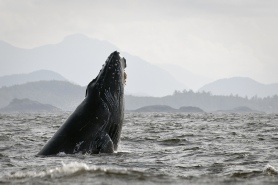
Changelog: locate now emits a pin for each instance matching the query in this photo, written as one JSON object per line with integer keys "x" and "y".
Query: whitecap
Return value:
{"x": 270, "y": 170}
{"x": 64, "y": 170}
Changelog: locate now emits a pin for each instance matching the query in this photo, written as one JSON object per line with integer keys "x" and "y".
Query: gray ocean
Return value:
{"x": 155, "y": 148}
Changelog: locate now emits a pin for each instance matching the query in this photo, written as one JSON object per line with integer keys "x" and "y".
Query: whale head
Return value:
{"x": 112, "y": 76}
{"x": 107, "y": 93}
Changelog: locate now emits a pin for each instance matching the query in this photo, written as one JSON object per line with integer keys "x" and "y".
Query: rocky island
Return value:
{"x": 28, "y": 106}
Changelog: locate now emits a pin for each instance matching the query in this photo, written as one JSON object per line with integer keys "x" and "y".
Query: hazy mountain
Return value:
{"x": 79, "y": 59}
{"x": 17, "y": 79}
{"x": 187, "y": 78}
{"x": 28, "y": 106}
{"x": 147, "y": 79}
{"x": 61, "y": 94}
{"x": 240, "y": 86}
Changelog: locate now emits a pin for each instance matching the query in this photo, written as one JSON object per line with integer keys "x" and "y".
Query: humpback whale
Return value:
{"x": 95, "y": 125}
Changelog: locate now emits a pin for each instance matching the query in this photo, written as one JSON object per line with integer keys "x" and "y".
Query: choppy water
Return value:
{"x": 156, "y": 148}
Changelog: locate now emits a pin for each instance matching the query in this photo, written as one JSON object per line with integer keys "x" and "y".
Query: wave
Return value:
{"x": 76, "y": 168}
{"x": 270, "y": 170}
{"x": 64, "y": 170}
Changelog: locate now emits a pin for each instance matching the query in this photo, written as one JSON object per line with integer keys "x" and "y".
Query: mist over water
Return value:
{"x": 155, "y": 148}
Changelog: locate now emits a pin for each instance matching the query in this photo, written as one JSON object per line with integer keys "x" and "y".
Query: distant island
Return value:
{"x": 28, "y": 106}
{"x": 241, "y": 109}
{"x": 190, "y": 109}
{"x": 166, "y": 108}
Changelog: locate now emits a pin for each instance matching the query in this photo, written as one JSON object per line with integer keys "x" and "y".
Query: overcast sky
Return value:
{"x": 214, "y": 38}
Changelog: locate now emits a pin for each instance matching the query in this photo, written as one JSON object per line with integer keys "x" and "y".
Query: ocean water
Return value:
{"x": 155, "y": 148}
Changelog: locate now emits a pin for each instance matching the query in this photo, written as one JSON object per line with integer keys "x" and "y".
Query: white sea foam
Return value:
{"x": 64, "y": 170}
{"x": 67, "y": 170}
{"x": 61, "y": 154}
{"x": 270, "y": 170}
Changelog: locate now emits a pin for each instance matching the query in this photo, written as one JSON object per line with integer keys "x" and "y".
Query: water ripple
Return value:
{"x": 155, "y": 148}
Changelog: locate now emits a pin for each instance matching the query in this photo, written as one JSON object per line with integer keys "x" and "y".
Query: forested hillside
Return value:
{"x": 205, "y": 101}
{"x": 61, "y": 94}
{"x": 67, "y": 96}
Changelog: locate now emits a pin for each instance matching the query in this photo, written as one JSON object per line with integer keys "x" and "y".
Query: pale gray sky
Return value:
{"x": 214, "y": 38}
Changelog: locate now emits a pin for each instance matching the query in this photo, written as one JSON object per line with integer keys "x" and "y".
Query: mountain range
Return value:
{"x": 79, "y": 58}
{"x": 240, "y": 86}
{"x": 41, "y": 75}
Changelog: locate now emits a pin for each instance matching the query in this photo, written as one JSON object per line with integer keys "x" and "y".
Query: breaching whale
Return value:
{"x": 95, "y": 126}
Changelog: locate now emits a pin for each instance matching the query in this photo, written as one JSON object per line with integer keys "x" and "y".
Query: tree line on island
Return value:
{"x": 206, "y": 101}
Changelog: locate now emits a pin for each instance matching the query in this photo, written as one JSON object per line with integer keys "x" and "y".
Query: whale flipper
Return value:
{"x": 106, "y": 144}
{"x": 102, "y": 144}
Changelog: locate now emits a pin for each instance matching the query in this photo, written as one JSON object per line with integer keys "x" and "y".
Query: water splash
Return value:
{"x": 270, "y": 170}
